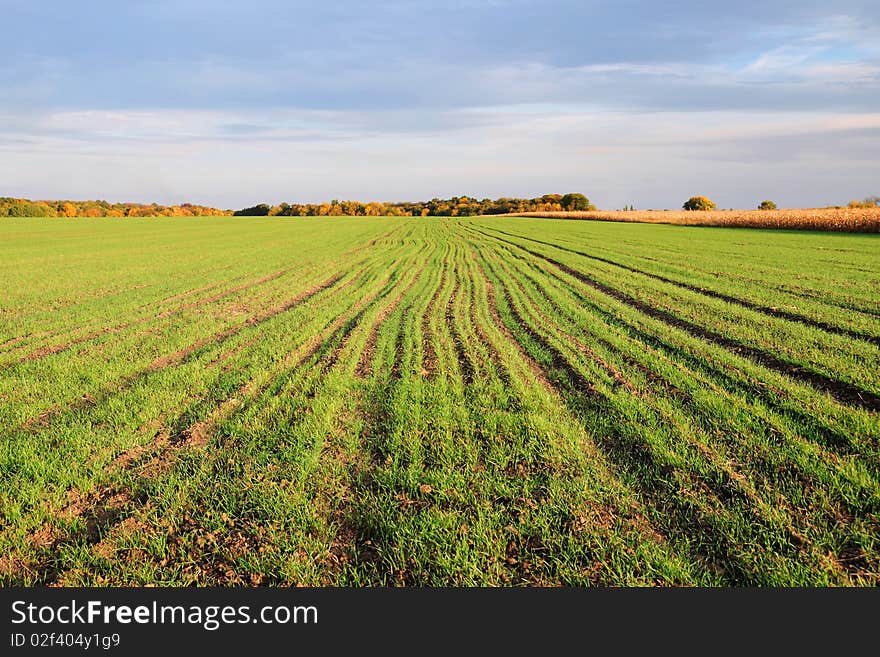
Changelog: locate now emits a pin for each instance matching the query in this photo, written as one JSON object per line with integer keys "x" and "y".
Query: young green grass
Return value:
{"x": 485, "y": 401}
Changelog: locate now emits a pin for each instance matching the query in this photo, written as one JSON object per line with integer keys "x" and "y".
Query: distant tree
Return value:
{"x": 375, "y": 209}
{"x": 352, "y": 208}
{"x": 67, "y": 210}
{"x": 767, "y": 205}
{"x": 260, "y": 210}
{"x": 28, "y": 209}
{"x": 698, "y": 203}
{"x": 575, "y": 203}
{"x": 867, "y": 203}
{"x": 276, "y": 210}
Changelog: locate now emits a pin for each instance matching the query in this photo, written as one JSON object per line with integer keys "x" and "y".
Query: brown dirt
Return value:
{"x": 42, "y": 352}
{"x": 126, "y": 459}
{"x": 102, "y": 507}
{"x": 11, "y": 342}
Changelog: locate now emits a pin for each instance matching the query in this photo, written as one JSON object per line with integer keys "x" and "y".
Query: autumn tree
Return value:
{"x": 67, "y": 209}
{"x": 30, "y": 209}
{"x": 375, "y": 209}
{"x": 699, "y": 203}
{"x": 575, "y": 203}
{"x": 259, "y": 210}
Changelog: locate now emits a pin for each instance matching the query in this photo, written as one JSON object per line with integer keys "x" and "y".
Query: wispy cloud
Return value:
{"x": 631, "y": 101}
{"x": 647, "y": 158}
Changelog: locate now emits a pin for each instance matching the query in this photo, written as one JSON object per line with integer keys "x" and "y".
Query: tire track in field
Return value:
{"x": 255, "y": 320}
{"x": 350, "y": 543}
{"x": 11, "y": 342}
{"x": 364, "y": 366}
{"x": 184, "y": 294}
{"x": 766, "y": 310}
{"x": 429, "y": 354}
{"x": 480, "y": 330}
{"x": 93, "y": 335}
{"x": 222, "y": 295}
{"x": 101, "y": 516}
{"x": 328, "y": 348}
{"x": 792, "y": 290}
{"x": 795, "y": 518}
{"x": 465, "y": 367}
{"x": 618, "y": 377}
{"x": 831, "y": 445}
{"x": 560, "y": 361}
{"x": 615, "y": 374}
{"x": 750, "y": 387}
{"x": 336, "y": 504}
{"x": 580, "y": 346}
{"x": 835, "y": 514}
{"x": 801, "y": 293}
{"x": 362, "y": 543}
{"x": 842, "y": 391}
{"x": 110, "y": 507}
{"x": 349, "y": 327}
{"x": 111, "y": 329}
{"x": 530, "y": 362}
{"x": 678, "y": 513}
{"x": 356, "y": 541}
{"x": 182, "y": 355}
{"x": 60, "y": 347}
{"x": 399, "y": 341}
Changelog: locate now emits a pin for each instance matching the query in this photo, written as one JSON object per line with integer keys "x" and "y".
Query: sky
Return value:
{"x": 231, "y": 103}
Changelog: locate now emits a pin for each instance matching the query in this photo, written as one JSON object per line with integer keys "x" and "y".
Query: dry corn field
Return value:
{"x": 468, "y": 401}
{"x": 848, "y": 220}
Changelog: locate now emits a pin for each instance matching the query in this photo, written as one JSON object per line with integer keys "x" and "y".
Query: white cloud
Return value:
{"x": 647, "y": 158}
{"x": 347, "y": 110}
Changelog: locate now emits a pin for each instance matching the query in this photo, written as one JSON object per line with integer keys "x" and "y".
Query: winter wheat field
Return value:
{"x": 486, "y": 401}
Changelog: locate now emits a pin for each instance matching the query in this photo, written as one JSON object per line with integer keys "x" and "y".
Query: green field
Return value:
{"x": 376, "y": 401}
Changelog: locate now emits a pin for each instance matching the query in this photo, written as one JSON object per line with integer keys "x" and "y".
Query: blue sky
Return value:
{"x": 232, "y": 103}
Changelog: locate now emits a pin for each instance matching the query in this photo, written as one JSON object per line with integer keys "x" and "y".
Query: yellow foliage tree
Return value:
{"x": 375, "y": 209}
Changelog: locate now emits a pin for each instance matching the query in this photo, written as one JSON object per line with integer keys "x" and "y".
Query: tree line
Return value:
{"x": 22, "y": 207}
{"x": 457, "y": 206}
